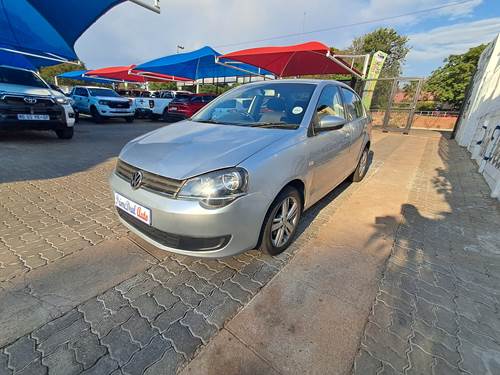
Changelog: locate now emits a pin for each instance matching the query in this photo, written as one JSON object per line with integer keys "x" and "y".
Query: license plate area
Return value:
{"x": 134, "y": 209}
{"x": 29, "y": 117}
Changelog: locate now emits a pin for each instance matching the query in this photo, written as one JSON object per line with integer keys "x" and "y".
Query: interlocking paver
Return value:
{"x": 182, "y": 339}
{"x": 437, "y": 283}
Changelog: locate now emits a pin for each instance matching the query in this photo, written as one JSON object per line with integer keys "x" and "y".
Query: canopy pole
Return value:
{"x": 55, "y": 58}
{"x": 217, "y": 61}
{"x": 155, "y": 7}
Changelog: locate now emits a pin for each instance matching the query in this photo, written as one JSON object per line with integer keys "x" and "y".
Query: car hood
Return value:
{"x": 111, "y": 98}
{"x": 187, "y": 148}
{"x": 25, "y": 90}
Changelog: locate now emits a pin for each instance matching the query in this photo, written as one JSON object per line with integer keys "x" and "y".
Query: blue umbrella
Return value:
{"x": 38, "y": 33}
{"x": 197, "y": 65}
{"x": 80, "y": 76}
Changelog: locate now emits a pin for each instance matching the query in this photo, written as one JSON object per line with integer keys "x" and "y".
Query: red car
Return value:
{"x": 185, "y": 105}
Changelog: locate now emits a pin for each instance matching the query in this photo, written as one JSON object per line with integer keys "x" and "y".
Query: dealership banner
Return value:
{"x": 377, "y": 63}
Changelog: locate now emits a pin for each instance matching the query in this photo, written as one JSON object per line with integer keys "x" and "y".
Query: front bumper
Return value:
{"x": 115, "y": 112}
{"x": 236, "y": 225}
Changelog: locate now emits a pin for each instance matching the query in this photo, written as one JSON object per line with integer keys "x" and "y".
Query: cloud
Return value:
{"x": 129, "y": 34}
{"x": 434, "y": 45}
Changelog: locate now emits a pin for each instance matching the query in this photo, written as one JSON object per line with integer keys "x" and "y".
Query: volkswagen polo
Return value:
{"x": 239, "y": 174}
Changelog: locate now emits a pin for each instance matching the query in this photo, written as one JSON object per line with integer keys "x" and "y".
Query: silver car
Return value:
{"x": 239, "y": 173}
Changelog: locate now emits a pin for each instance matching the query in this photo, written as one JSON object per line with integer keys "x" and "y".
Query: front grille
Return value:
{"x": 19, "y": 101}
{"x": 150, "y": 181}
{"x": 112, "y": 104}
{"x": 173, "y": 240}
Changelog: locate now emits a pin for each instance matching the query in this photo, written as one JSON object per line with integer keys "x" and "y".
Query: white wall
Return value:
{"x": 479, "y": 126}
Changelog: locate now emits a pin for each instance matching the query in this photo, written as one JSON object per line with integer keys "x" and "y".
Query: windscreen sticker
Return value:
{"x": 297, "y": 110}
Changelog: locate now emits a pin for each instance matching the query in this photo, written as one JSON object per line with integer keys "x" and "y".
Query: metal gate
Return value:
{"x": 394, "y": 102}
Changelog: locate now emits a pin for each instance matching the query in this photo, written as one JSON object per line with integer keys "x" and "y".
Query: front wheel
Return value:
{"x": 66, "y": 133}
{"x": 129, "y": 119}
{"x": 362, "y": 167}
{"x": 280, "y": 224}
{"x": 96, "y": 116}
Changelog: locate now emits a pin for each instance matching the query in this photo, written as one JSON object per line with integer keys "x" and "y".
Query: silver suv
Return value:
{"x": 239, "y": 173}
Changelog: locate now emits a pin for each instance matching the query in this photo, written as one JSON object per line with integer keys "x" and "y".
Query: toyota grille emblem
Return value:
{"x": 136, "y": 180}
{"x": 30, "y": 100}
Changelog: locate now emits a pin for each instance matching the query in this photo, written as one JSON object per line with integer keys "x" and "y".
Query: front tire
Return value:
{"x": 66, "y": 133}
{"x": 281, "y": 222}
{"x": 362, "y": 167}
{"x": 96, "y": 116}
{"x": 129, "y": 119}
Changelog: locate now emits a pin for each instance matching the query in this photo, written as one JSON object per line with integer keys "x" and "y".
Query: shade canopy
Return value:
{"x": 288, "y": 61}
{"x": 197, "y": 64}
{"x": 35, "y": 33}
{"x": 129, "y": 74}
{"x": 80, "y": 76}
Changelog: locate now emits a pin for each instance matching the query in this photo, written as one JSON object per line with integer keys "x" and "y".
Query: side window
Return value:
{"x": 330, "y": 103}
{"x": 353, "y": 105}
{"x": 81, "y": 91}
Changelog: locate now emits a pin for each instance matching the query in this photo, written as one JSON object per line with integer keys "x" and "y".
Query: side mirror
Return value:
{"x": 330, "y": 122}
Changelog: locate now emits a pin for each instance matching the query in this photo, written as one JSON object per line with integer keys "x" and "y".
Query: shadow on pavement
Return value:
{"x": 436, "y": 310}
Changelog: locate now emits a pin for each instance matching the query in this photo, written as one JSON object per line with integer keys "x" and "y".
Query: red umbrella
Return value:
{"x": 128, "y": 74}
{"x": 297, "y": 60}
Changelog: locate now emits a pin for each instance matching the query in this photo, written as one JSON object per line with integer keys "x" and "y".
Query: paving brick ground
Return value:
{"x": 437, "y": 307}
{"x": 54, "y": 196}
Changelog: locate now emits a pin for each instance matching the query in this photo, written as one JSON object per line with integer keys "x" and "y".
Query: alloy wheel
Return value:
{"x": 284, "y": 222}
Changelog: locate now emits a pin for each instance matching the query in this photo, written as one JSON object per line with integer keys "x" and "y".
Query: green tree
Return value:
{"x": 49, "y": 72}
{"x": 155, "y": 86}
{"x": 449, "y": 82}
{"x": 386, "y": 40}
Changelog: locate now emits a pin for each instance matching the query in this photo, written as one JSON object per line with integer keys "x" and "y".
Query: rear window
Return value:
{"x": 20, "y": 77}
{"x": 182, "y": 98}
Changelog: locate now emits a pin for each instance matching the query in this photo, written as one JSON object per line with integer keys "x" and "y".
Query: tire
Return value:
{"x": 165, "y": 116}
{"x": 96, "y": 116}
{"x": 129, "y": 119}
{"x": 66, "y": 133}
{"x": 362, "y": 167}
{"x": 77, "y": 117}
{"x": 270, "y": 242}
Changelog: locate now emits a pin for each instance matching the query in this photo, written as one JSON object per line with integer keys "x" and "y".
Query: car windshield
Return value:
{"x": 103, "y": 92}
{"x": 274, "y": 104}
{"x": 20, "y": 77}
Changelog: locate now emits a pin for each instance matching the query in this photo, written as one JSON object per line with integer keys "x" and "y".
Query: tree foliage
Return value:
{"x": 449, "y": 82}
{"x": 386, "y": 40}
{"x": 49, "y": 72}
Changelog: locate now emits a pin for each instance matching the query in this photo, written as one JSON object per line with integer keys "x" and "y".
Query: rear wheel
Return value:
{"x": 96, "y": 116}
{"x": 281, "y": 222}
{"x": 362, "y": 168}
{"x": 66, "y": 133}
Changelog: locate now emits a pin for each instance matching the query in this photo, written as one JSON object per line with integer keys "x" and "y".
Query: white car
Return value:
{"x": 28, "y": 102}
{"x": 156, "y": 106}
{"x": 102, "y": 103}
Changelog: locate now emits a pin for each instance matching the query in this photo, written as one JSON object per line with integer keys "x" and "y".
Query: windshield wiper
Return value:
{"x": 210, "y": 122}
{"x": 282, "y": 125}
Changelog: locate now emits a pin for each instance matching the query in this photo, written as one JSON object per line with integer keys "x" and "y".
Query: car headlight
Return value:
{"x": 62, "y": 100}
{"x": 216, "y": 189}
{"x": 103, "y": 102}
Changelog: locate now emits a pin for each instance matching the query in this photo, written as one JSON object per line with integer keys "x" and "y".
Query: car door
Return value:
{"x": 357, "y": 124}
{"x": 328, "y": 149}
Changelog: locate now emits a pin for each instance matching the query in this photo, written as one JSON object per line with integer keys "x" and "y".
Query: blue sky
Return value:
{"x": 129, "y": 34}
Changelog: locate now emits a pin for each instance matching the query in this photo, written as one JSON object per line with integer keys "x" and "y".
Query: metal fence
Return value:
{"x": 401, "y": 104}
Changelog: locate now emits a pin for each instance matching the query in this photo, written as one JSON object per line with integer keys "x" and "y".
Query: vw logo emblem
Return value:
{"x": 30, "y": 100}
{"x": 136, "y": 180}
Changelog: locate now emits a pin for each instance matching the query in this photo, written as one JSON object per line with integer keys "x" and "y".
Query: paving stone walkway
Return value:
{"x": 437, "y": 307}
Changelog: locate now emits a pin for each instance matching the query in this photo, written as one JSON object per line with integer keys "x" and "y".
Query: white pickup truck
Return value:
{"x": 156, "y": 106}
{"x": 102, "y": 103}
{"x": 27, "y": 102}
